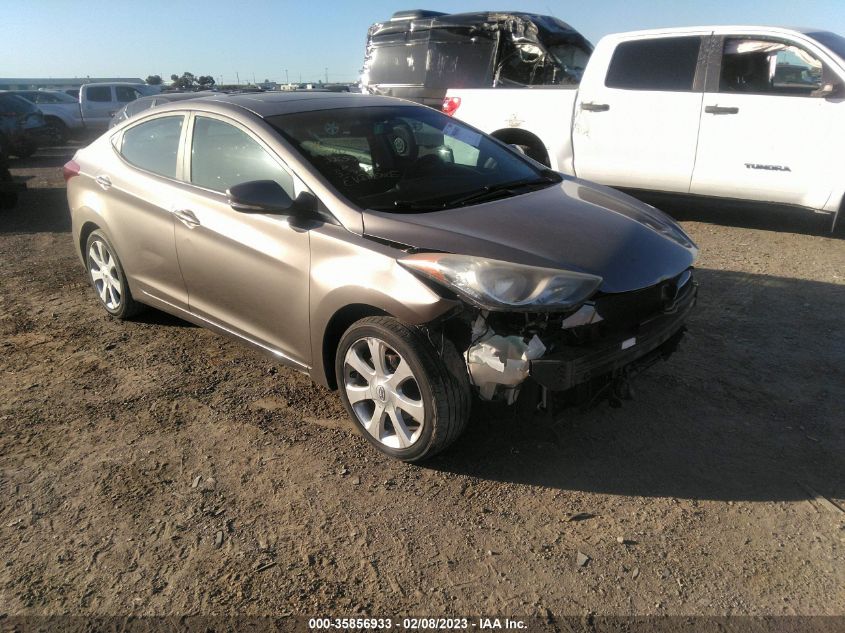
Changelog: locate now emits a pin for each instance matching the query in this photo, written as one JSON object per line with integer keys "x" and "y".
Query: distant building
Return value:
{"x": 60, "y": 83}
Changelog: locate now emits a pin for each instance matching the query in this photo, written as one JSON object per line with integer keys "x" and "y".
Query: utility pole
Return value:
{"x": 238, "y": 77}
{"x": 327, "y": 74}
{"x": 287, "y": 80}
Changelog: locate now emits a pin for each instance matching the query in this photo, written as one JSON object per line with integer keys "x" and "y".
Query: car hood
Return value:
{"x": 574, "y": 225}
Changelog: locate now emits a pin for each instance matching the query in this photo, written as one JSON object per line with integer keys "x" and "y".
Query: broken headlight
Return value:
{"x": 498, "y": 285}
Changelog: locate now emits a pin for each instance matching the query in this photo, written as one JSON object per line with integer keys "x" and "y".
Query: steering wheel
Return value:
{"x": 402, "y": 140}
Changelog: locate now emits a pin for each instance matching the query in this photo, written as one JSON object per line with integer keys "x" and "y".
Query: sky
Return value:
{"x": 257, "y": 39}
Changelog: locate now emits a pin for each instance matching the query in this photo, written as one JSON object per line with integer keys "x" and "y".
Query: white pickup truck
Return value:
{"x": 747, "y": 113}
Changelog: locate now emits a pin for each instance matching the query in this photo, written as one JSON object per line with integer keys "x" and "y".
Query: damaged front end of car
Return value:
{"x": 554, "y": 332}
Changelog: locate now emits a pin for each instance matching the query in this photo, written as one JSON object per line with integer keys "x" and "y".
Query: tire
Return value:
{"x": 23, "y": 149}
{"x": 106, "y": 276}
{"x": 58, "y": 131}
{"x": 412, "y": 417}
{"x": 8, "y": 199}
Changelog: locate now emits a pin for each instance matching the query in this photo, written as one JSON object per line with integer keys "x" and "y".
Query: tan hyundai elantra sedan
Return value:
{"x": 387, "y": 250}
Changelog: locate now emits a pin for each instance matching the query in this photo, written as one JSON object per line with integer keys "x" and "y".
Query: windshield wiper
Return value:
{"x": 407, "y": 205}
{"x": 491, "y": 192}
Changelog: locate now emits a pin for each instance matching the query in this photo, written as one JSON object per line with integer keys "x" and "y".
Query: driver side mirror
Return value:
{"x": 267, "y": 196}
{"x": 828, "y": 89}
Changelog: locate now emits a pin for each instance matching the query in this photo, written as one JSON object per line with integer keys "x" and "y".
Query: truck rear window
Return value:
{"x": 667, "y": 63}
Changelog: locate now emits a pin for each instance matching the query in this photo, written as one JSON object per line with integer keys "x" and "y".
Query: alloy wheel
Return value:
{"x": 383, "y": 393}
{"x": 104, "y": 274}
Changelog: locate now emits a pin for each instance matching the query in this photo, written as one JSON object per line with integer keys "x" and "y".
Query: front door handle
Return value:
{"x": 103, "y": 181}
{"x": 595, "y": 107}
{"x": 187, "y": 217}
{"x": 714, "y": 109}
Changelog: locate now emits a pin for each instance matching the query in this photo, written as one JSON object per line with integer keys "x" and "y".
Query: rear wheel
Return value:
{"x": 8, "y": 198}
{"x": 399, "y": 391}
{"x": 107, "y": 277}
{"x": 23, "y": 149}
{"x": 58, "y": 131}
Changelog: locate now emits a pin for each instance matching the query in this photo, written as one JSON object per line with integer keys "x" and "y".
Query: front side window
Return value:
{"x": 223, "y": 155}
{"x": 768, "y": 67}
{"x": 406, "y": 158}
{"x": 665, "y": 64}
{"x": 154, "y": 145}
{"x": 126, "y": 94}
{"x": 100, "y": 94}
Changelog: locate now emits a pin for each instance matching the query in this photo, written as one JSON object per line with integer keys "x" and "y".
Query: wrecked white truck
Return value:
{"x": 419, "y": 55}
{"x": 736, "y": 113}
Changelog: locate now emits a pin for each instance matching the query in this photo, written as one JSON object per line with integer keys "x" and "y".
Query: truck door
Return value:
{"x": 97, "y": 104}
{"x": 637, "y": 124}
{"x": 767, "y": 133}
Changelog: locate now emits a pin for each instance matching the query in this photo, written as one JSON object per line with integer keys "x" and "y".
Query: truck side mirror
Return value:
{"x": 828, "y": 89}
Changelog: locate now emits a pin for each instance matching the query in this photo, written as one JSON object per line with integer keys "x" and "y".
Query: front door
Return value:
{"x": 637, "y": 125}
{"x": 246, "y": 273}
{"x": 766, "y": 134}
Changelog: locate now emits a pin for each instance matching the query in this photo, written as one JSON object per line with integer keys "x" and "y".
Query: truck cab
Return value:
{"x": 735, "y": 112}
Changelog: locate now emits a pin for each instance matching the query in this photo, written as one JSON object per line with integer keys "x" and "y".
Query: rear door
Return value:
{"x": 637, "y": 124}
{"x": 765, "y": 132}
{"x": 139, "y": 194}
{"x": 246, "y": 273}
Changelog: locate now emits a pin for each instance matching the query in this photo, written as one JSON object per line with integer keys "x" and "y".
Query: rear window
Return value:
{"x": 660, "y": 64}
{"x": 100, "y": 94}
{"x": 154, "y": 145}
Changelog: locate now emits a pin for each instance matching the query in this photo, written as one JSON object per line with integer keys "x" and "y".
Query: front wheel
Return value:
{"x": 399, "y": 391}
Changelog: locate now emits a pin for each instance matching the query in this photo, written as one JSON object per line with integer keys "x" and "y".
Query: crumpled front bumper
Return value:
{"x": 573, "y": 366}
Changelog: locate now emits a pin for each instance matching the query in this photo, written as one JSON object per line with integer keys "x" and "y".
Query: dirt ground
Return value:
{"x": 154, "y": 468}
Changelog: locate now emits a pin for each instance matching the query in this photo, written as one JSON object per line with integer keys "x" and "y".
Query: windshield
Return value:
{"x": 834, "y": 42}
{"x": 407, "y": 158}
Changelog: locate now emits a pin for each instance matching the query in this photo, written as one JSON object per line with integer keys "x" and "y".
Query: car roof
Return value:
{"x": 267, "y": 104}
{"x": 719, "y": 29}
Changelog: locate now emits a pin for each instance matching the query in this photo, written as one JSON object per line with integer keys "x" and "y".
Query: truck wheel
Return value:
{"x": 58, "y": 131}
{"x": 398, "y": 390}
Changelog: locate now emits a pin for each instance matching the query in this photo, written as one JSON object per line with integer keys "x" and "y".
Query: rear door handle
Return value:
{"x": 714, "y": 109}
{"x": 595, "y": 107}
{"x": 187, "y": 217}
{"x": 103, "y": 181}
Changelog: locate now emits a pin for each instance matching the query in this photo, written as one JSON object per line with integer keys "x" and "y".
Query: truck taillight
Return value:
{"x": 451, "y": 105}
{"x": 70, "y": 169}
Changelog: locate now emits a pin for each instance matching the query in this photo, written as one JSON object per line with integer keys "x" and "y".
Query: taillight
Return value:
{"x": 451, "y": 105}
{"x": 70, "y": 169}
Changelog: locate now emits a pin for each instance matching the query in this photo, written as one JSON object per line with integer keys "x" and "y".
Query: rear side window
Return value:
{"x": 125, "y": 94}
{"x": 661, "y": 64}
{"x": 222, "y": 156}
{"x": 154, "y": 145}
{"x": 101, "y": 94}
